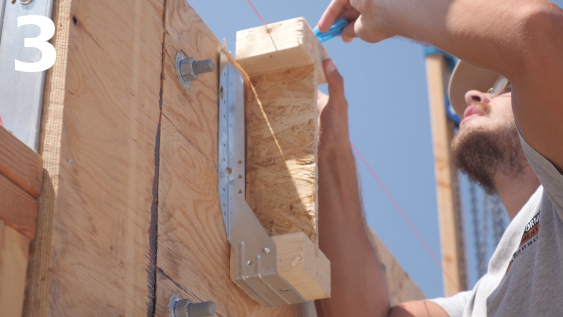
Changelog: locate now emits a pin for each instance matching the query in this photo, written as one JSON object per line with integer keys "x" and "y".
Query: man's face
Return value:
{"x": 486, "y": 112}
{"x": 487, "y": 142}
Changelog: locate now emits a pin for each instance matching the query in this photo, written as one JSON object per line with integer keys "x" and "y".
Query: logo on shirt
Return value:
{"x": 529, "y": 237}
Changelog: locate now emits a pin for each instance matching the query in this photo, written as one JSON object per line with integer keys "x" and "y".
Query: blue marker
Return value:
{"x": 335, "y": 30}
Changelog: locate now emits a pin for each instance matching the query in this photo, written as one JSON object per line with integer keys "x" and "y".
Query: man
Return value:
{"x": 510, "y": 141}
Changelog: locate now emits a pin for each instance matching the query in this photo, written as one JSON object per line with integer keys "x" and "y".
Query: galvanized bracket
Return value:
{"x": 21, "y": 93}
{"x": 255, "y": 252}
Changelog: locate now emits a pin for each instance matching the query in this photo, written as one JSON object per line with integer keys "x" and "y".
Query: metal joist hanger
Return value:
{"x": 255, "y": 252}
{"x": 21, "y": 93}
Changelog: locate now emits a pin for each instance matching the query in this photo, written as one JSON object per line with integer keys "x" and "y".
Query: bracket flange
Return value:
{"x": 255, "y": 252}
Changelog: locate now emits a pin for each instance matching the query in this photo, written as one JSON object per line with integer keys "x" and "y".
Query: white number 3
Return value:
{"x": 48, "y": 53}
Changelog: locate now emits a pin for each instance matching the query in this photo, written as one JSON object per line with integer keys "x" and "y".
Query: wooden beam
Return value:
{"x": 400, "y": 286}
{"x": 447, "y": 184}
{"x": 282, "y": 134}
{"x": 18, "y": 209}
{"x": 302, "y": 265}
{"x": 100, "y": 119}
{"x": 13, "y": 265}
{"x": 20, "y": 164}
{"x": 284, "y": 45}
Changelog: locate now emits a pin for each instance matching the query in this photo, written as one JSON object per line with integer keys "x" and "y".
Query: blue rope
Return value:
{"x": 451, "y": 62}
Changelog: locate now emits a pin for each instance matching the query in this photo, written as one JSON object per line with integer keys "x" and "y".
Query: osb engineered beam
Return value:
{"x": 281, "y": 142}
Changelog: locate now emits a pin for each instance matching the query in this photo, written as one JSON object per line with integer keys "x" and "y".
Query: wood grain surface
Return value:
{"x": 18, "y": 209}
{"x": 13, "y": 265}
{"x": 20, "y": 164}
{"x": 99, "y": 128}
{"x": 303, "y": 265}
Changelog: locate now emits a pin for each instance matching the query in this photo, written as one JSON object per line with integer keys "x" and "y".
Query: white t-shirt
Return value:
{"x": 525, "y": 274}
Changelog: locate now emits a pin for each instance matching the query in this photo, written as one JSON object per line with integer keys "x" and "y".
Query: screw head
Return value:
{"x": 266, "y": 250}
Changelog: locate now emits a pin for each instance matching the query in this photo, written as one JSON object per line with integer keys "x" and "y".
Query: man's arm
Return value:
{"x": 358, "y": 285}
{"x": 520, "y": 39}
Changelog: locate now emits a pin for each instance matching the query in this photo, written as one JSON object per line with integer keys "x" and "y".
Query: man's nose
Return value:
{"x": 474, "y": 96}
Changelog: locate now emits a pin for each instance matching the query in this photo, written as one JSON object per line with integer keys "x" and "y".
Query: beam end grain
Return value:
{"x": 289, "y": 44}
{"x": 303, "y": 265}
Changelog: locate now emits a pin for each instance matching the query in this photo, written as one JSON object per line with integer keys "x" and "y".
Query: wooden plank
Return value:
{"x": 13, "y": 266}
{"x": 453, "y": 249}
{"x": 99, "y": 130}
{"x": 18, "y": 209}
{"x": 284, "y": 45}
{"x": 20, "y": 164}
{"x": 192, "y": 245}
{"x": 302, "y": 265}
{"x": 400, "y": 286}
{"x": 281, "y": 137}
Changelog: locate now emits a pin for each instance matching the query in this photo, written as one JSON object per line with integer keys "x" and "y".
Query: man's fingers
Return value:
{"x": 348, "y": 34}
{"x": 335, "y": 81}
{"x": 335, "y": 8}
{"x": 364, "y": 32}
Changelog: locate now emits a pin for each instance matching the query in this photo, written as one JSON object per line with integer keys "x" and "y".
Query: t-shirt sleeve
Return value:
{"x": 454, "y": 305}
{"x": 548, "y": 175}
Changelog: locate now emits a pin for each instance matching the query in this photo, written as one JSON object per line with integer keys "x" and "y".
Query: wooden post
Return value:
{"x": 450, "y": 219}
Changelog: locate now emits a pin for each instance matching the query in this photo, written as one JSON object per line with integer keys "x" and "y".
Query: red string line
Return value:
{"x": 258, "y": 14}
{"x": 405, "y": 217}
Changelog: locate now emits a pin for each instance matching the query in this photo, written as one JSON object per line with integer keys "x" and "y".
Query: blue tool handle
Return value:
{"x": 335, "y": 30}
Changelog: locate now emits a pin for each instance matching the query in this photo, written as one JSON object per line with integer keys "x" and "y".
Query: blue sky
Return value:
{"x": 389, "y": 124}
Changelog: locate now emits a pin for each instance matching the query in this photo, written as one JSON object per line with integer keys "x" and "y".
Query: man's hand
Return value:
{"x": 366, "y": 21}
{"x": 333, "y": 111}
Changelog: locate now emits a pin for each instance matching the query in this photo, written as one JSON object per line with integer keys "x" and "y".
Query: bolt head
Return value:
{"x": 266, "y": 250}
{"x": 186, "y": 69}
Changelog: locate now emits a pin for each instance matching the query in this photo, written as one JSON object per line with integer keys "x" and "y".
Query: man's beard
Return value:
{"x": 481, "y": 153}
